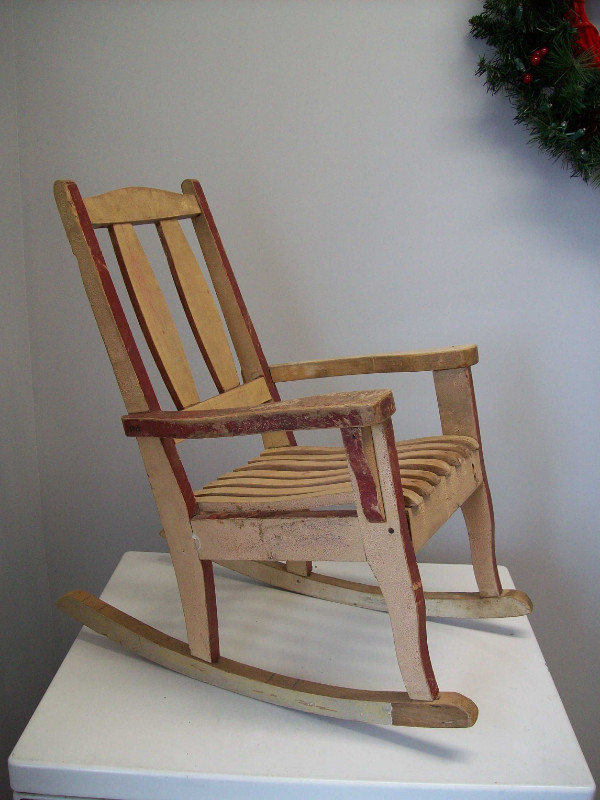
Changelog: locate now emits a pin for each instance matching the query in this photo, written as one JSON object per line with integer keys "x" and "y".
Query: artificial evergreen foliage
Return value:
{"x": 537, "y": 59}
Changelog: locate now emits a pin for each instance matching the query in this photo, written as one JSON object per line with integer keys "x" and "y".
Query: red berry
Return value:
{"x": 543, "y": 51}
{"x": 535, "y": 59}
{"x": 527, "y": 77}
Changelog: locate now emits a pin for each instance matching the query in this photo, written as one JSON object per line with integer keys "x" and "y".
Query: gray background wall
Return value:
{"x": 372, "y": 197}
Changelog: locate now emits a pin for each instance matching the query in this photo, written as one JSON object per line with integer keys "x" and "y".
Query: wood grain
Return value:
{"x": 458, "y": 414}
{"x": 245, "y": 340}
{"x": 279, "y": 480}
{"x": 154, "y": 316}
{"x": 417, "y": 361}
{"x": 449, "y": 710}
{"x": 199, "y": 305}
{"x": 138, "y": 205}
{"x": 341, "y": 410}
{"x": 456, "y": 605}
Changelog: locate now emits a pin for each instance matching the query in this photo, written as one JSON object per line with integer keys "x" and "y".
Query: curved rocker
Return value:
{"x": 457, "y": 605}
{"x": 448, "y": 710}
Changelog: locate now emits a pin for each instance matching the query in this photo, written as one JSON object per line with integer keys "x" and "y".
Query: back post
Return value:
{"x": 172, "y": 492}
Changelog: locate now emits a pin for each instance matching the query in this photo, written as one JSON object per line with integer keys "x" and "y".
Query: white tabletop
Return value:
{"x": 115, "y": 726}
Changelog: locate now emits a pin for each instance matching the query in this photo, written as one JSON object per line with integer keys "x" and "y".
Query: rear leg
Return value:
{"x": 479, "y": 519}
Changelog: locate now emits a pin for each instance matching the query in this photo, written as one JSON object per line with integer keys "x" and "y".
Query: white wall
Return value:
{"x": 27, "y": 658}
{"x": 372, "y": 197}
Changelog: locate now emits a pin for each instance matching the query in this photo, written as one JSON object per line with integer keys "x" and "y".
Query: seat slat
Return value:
{"x": 154, "y": 316}
{"x": 258, "y": 482}
{"x": 327, "y": 459}
{"x": 448, "y": 456}
{"x": 282, "y": 478}
{"x": 253, "y": 488}
{"x": 219, "y": 488}
{"x": 199, "y": 305}
{"x": 462, "y": 442}
{"x": 138, "y": 205}
{"x": 284, "y": 474}
{"x": 311, "y": 477}
{"x": 297, "y": 464}
{"x": 437, "y": 466}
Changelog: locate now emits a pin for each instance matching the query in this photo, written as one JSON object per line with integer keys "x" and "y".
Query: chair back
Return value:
{"x": 121, "y": 212}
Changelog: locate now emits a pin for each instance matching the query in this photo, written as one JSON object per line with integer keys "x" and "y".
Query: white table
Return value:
{"x": 115, "y": 726}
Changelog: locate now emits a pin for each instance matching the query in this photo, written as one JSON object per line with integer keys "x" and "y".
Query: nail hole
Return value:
{"x": 390, "y": 530}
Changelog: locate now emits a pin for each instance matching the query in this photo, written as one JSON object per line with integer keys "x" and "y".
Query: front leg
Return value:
{"x": 375, "y": 476}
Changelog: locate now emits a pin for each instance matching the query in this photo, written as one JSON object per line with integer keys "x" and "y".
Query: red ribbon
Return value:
{"x": 588, "y": 38}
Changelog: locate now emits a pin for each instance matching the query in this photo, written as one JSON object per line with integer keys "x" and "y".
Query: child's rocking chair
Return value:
{"x": 272, "y": 516}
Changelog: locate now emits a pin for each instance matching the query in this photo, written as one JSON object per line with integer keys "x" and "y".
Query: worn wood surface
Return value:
{"x": 418, "y": 361}
{"x": 309, "y": 477}
{"x": 456, "y": 605}
{"x": 137, "y": 205}
{"x": 130, "y": 372}
{"x": 245, "y": 340}
{"x": 458, "y": 414}
{"x": 199, "y": 305}
{"x": 390, "y": 554}
{"x": 303, "y": 568}
{"x": 246, "y": 395}
{"x": 448, "y": 710}
{"x": 271, "y": 509}
{"x": 285, "y": 538}
{"x": 340, "y": 410}
{"x": 194, "y": 574}
{"x": 154, "y": 316}
{"x": 172, "y": 491}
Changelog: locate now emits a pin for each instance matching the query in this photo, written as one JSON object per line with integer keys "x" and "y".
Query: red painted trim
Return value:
{"x": 367, "y": 482}
{"x": 203, "y": 203}
{"x": 180, "y": 474}
{"x": 112, "y": 297}
{"x": 411, "y": 560}
{"x": 210, "y": 597}
{"x": 128, "y": 339}
{"x": 262, "y": 419}
{"x": 166, "y": 426}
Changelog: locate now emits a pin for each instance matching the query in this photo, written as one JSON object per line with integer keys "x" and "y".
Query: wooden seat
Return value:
{"x": 371, "y": 499}
{"x": 302, "y": 478}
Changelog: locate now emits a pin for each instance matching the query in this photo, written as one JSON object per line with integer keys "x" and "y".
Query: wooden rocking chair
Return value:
{"x": 273, "y": 516}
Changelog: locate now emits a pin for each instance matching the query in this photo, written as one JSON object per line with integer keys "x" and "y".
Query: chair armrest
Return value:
{"x": 338, "y": 410}
{"x": 417, "y": 361}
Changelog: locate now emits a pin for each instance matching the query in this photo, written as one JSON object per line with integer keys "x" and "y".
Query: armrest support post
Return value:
{"x": 375, "y": 476}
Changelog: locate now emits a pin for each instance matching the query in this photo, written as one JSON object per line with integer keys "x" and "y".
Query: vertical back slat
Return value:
{"x": 199, "y": 305}
{"x": 243, "y": 335}
{"x": 154, "y": 316}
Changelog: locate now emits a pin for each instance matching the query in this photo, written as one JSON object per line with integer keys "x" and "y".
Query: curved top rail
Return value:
{"x": 138, "y": 205}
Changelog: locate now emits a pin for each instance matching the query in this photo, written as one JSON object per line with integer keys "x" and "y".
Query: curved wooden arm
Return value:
{"x": 417, "y": 361}
{"x": 338, "y": 410}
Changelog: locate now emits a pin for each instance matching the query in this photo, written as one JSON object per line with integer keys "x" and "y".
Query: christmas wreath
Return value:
{"x": 546, "y": 58}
